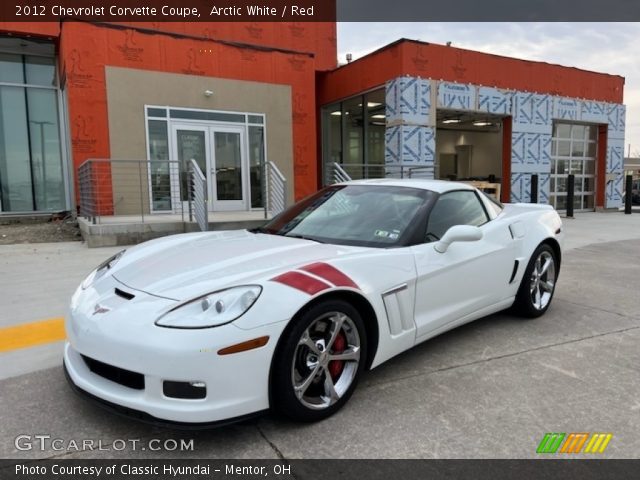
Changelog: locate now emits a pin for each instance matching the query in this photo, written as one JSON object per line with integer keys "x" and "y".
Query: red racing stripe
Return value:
{"x": 332, "y": 274}
{"x": 302, "y": 282}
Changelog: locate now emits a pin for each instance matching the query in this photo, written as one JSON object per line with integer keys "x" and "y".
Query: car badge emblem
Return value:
{"x": 100, "y": 309}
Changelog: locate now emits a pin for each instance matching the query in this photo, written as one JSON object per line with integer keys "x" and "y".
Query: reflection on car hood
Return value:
{"x": 185, "y": 266}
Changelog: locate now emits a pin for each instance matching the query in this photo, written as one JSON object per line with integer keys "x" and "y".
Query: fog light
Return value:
{"x": 184, "y": 390}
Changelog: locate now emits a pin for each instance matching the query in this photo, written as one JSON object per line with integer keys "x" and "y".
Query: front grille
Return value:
{"x": 118, "y": 375}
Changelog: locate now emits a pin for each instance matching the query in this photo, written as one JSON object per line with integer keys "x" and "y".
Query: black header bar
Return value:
{"x": 176, "y": 469}
{"x": 320, "y": 10}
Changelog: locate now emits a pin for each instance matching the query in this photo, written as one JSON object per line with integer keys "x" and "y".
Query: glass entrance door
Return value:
{"x": 228, "y": 168}
{"x": 220, "y": 152}
{"x": 190, "y": 142}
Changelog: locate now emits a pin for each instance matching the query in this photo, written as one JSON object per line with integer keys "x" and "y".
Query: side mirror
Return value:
{"x": 458, "y": 233}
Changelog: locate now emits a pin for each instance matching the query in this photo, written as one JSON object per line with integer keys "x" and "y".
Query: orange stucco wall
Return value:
{"x": 318, "y": 38}
{"x": 440, "y": 62}
{"x": 280, "y": 53}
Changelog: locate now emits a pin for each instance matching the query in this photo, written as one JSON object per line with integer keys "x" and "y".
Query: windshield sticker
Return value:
{"x": 381, "y": 233}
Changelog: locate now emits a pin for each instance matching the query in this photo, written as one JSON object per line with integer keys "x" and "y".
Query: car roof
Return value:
{"x": 439, "y": 186}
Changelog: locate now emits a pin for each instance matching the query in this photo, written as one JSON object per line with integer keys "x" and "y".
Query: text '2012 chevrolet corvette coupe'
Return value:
{"x": 209, "y": 327}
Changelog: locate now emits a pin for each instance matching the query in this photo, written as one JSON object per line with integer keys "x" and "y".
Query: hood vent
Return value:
{"x": 125, "y": 295}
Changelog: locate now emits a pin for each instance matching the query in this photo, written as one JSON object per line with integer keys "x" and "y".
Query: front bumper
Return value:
{"x": 125, "y": 338}
{"x": 144, "y": 417}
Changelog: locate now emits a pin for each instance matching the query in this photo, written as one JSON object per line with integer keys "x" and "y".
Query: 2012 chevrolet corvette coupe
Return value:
{"x": 212, "y": 327}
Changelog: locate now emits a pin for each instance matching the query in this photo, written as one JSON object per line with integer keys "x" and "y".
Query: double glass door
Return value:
{"x": 220, "y": 152}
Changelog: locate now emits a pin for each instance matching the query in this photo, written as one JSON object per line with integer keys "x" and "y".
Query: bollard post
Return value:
{"x": 571, "y": 179}
{"x": 534, "y": 188}
{"x": 628, "y": 194}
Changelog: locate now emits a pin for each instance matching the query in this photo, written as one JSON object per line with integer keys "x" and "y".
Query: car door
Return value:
{"x": 468, "y": 276}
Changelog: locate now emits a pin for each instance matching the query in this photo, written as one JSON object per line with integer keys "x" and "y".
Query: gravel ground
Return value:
{"x": 62, "y": 230}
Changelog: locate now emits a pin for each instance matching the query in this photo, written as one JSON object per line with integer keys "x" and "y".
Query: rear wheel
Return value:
{"x": 538, "y": 283}
{"x": 319, "y": 361}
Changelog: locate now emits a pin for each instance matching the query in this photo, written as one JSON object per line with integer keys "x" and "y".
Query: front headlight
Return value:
{"x": 103, "y": 268}
{"x": 213, "y": 309}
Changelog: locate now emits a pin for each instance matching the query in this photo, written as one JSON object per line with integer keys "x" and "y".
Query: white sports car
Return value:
{"x": 208, "y": 328}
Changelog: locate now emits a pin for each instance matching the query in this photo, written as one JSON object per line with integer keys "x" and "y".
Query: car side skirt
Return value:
{"x": 496, "y": 307}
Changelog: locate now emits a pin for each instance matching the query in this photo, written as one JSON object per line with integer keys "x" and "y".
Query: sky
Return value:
{"x": 612, "y": 48}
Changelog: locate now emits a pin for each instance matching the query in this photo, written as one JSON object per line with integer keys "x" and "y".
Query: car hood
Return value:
{"x": 182, "y": 267}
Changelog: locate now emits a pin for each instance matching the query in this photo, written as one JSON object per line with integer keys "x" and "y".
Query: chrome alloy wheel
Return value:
{"x": 325, "y": 361}
{"x": 543, "y": 279}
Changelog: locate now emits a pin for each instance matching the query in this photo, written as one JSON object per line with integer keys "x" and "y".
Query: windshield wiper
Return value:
{"x": 304, "y": 237}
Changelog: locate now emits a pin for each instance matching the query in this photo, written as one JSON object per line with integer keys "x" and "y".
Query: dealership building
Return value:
{"x": 117, "y": 114}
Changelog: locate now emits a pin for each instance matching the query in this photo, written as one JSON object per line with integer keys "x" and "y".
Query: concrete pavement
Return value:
{"x": 38, "y": 279}
{"x": 593, "y": 227}
{"x": 492, "y": 388}
{"x": 36, "y": 283}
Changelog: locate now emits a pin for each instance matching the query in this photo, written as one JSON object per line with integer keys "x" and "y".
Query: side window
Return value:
{"x": 461, "y": 207}
{"x": 493, "y": 203}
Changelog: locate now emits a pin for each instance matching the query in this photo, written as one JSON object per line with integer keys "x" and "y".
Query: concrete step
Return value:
{"x": 113, "y": 231}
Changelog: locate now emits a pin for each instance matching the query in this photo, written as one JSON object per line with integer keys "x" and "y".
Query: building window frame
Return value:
{"x": 364, "y": 168}
{"x": 62, "y": 129}
{"x": 251, "y": 119}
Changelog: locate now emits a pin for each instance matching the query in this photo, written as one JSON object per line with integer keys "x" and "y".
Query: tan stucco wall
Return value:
{"x": 129, "y": 90}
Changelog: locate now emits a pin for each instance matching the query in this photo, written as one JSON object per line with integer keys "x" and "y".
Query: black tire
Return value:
{"x": 526, "y": 304}
{"x": 294, "y": 365}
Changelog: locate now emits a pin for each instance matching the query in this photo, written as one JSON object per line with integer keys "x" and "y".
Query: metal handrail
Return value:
{"x": 140, "y": 184}
{"x": 199, "y": 196}
{"x": 344, "y": 172}
{"x": 87, "y": 205}
{"x": 276, "y": 189}
{"x": 339, "y": 174}
{"x": 127, "y": 188}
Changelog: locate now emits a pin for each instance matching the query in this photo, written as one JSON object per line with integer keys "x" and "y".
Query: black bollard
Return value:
{"x": 571, "y": 180}
{"x": 534, "y": 188}
{"x": 628, "y": 194}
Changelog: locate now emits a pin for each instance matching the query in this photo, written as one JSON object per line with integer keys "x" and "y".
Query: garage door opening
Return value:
{"x": 574, "y": 149}
{"x": 469, "y": 149}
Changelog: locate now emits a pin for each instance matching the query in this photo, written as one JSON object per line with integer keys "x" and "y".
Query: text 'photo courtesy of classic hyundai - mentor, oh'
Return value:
{"x": 206, "y": 328}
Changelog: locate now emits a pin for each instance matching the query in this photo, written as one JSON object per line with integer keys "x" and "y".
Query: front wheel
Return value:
{"x": 318, "y": 362}
{"x": 538, "y": 283}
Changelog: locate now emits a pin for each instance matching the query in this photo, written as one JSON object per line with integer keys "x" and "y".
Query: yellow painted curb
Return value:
{"x": 31, "y": 334}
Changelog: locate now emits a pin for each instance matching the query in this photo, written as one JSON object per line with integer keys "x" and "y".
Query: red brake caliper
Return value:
{"x": 336, "y": 366}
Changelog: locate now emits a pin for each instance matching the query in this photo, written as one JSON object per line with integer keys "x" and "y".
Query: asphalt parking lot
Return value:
{"x": 490, "y": 389}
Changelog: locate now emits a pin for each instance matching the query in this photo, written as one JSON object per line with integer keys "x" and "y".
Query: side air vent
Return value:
{"x": 125, "y": 295}
{"x": 399, "y": 317}
{"x": 515, "y": 270}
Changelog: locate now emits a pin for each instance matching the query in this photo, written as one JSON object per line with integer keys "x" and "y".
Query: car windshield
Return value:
{"x": 361, "y": 215}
